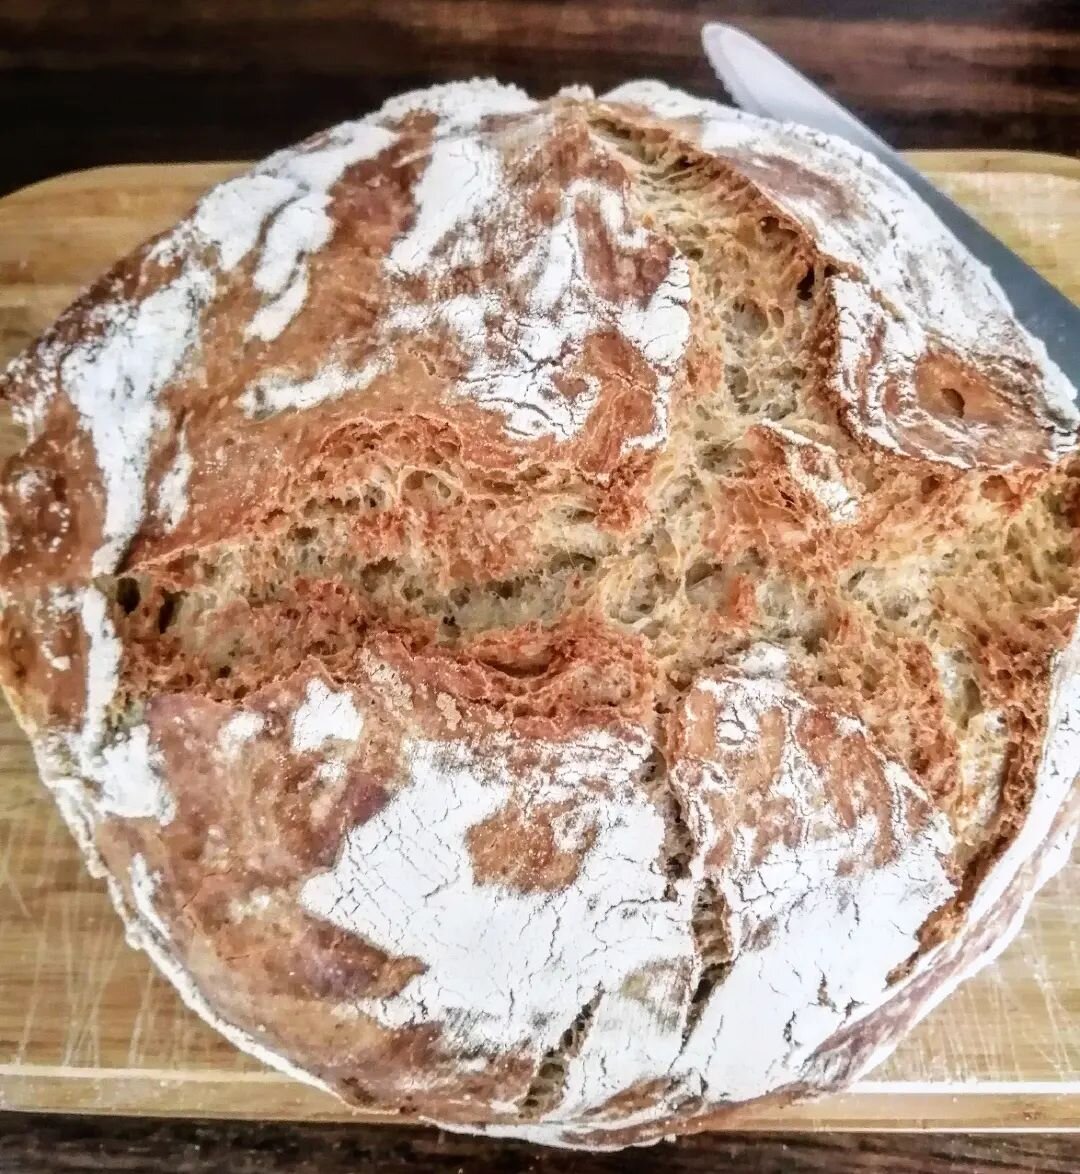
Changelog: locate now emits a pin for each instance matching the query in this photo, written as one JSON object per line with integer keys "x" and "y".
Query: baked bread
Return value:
{"x": 557, "y": 618}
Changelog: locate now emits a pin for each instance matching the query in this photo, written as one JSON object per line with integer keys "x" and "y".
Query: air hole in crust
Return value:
{"x": 128, "y": 595}
{"x": 953, "y": 401}
{"x": 167, "y": 611}
{"x": 750, "y": 318}
{"x": 700, "y": 571}
{"x": 996, "y": 488}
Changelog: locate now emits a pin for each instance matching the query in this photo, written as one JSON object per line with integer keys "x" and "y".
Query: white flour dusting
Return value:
{"x": 280, "y": 392}
{"x": 505, "y": 967}
{"x": 458, "y": 105}
{"x": 58, "y": 603}
{"x": 763, "y": 660}
{"x": 797, "y": 888}
{"x": 60, "y": 663}
{"x": 901, "y": 341}
{"x": 239, "y": 730}
{"x": 325, "y": 716}
{"x": 114, "y": 381}
{"x": 28, "y": 483}
{"x": 332, "y": 771}
{"x": 790, "y": 898}
{"x": 666, "y": 102}
{"x": 814, "y": 467}
{"x": 145, "y": 928}
{"x": 303, "y": 225}
{"x": 115, "y": 378}
{"x": 636, "y": 1034}
{"x": 661, "y": 332}
{"x": 521, "y": 359}
{"x": 522, "y": 332}
{"x": 270, "y": 320}
{"x": 795, "y": 894}
{"x": 129, "y": 774}
{"x": 172, "y": 490}
{"x": 279, "y": 213}
{"x": 228, "y": 219}
{"x": 123, "y": 768}
{"x": 143, "y": 885}
{"x": 283, "y": 202}
{"x": 145, "y": 932}
{"x": 461, "y": 183}
{"x": 102, "y": 672}
{"x": 256, "y": 902}
{"x": 1002, "y": 901}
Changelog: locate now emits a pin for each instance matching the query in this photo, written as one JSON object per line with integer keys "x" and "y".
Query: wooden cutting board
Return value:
{"x": 87, "y": 1024}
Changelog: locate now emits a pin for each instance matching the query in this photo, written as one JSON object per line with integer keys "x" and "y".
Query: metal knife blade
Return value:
{"x": 763, "y": 83}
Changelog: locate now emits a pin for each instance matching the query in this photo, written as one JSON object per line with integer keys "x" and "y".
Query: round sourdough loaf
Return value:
{"x": 556, "y": 618}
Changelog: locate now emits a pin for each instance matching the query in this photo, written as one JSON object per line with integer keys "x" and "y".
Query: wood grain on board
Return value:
{"x": 87, "y": 1024}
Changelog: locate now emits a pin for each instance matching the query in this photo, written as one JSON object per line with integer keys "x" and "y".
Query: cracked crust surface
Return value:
{"x": 557, "y": 618}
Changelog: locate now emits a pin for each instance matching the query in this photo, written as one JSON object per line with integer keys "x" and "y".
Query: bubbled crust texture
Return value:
{"x": 556, "y": 618}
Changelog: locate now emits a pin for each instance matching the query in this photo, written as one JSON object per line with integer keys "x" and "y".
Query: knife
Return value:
{"x": 763, "y": 83}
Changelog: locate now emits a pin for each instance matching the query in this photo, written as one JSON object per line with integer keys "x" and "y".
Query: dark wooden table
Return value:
{"x": 111, "y": 81}
{"x": 106, "y": 81}
{"x": 33, "y": 1144}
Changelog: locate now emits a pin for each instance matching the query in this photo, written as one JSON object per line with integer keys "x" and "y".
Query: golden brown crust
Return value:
{"x": 506, "y": 589}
